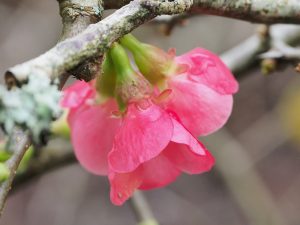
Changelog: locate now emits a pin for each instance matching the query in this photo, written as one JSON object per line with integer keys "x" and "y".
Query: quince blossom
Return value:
{"x": 144, "y": 137}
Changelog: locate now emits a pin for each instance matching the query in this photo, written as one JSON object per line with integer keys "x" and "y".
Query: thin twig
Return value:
{"x": 19, "y": 143}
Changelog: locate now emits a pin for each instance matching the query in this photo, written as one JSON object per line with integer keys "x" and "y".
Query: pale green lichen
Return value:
{"x": 32, "y": 107}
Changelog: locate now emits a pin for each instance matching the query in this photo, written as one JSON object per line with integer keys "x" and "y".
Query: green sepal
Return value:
{"x": 121, "y": 63}
{"x": 106, "y": 82}
{"x": 154, "y": 63}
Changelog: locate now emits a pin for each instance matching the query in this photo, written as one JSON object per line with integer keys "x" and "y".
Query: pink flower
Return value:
{"x": 153, "y": 138}
{"x": 147, "y": 147}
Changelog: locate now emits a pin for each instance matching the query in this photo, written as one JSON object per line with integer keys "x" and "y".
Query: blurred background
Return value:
{"x": 256, "y": 179}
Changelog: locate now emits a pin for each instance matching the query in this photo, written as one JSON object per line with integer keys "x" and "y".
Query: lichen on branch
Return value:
{"x": 31, "y": 107}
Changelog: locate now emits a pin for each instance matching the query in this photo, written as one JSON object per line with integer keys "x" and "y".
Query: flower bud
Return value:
{"x": 106, "y": 82}
{"x": 130, "y": 85}
{"x": 154, "y": 63}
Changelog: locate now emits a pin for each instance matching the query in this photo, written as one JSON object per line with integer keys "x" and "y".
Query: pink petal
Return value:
{"x": 187, "y": 153}
{"x": 76, "y": 94}
{"x": 158, "y": 172}
{"x": 122, "y": 185}
{"x": 207, "y": 68}
{"x": 92, "y": 134}
{"x": 155, "y": 173}
{"x": 188, "y": 161}
{"x": 182, "y": 136}
{"x": 144, "y": 133}
{"x": 200, "y": 109}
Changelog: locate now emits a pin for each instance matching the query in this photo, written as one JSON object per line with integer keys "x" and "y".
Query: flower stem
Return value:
{"x": 142, "y": 209}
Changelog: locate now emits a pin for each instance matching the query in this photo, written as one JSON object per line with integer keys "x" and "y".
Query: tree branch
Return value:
{"x": 142, "y": 209}
{"x": 93, "y": 41}
{"x": 76, "y": 16}
{"x": 96, "y": 39}
{"x": 258, "y": 11}
{"x": 19, "y": 143}
{"x": 244, "y": 55}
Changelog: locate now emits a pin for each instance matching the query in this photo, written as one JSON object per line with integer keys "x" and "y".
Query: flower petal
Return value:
{"x": 207, "y": 68}
{"x": 92, "y": 134}
{"x": 182, "y": 136}
{"x": 158, "y": 172}
{"x": 200, "y": 109}
{"x": 187, "y": 153}
{"x": 187, "y": 161}
{"x": 76, "y": 94}
{"x": 122, "y": 185}
{"x": 144, "y": 133}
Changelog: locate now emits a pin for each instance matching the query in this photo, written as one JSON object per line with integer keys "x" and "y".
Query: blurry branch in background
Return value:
{"x": 244, "y": 55}
{"x": 142, "y": 209}
{"x": 244, "y": 183}
{"x": 281, "y": 50}
{"x": 168, "y": 23}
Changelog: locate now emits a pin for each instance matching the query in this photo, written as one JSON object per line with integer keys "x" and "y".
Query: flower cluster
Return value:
{"x": 140, "y": 128}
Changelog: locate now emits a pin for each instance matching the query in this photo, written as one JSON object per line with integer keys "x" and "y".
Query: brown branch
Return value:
{"x": 77, "y": 16}
{"x": 19, "y": 143}
{"x": 93, "y": 41}
{"x": 258, "y": 11}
